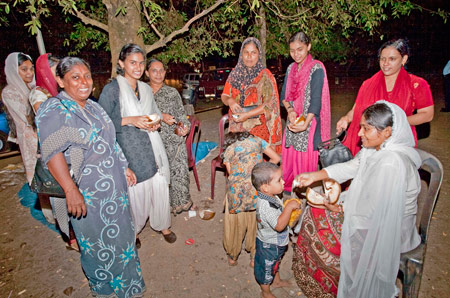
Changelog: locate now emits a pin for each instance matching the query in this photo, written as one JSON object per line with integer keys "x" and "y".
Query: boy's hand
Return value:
{"x": 292, "y": 205}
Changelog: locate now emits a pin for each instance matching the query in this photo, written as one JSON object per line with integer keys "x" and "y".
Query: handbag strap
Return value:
{"x": 337, "y": 139}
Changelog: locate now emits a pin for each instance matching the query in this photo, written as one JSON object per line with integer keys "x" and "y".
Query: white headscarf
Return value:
{"x": 379, "y": 222}
{"x": 402, "y": 139}
{"x": 131, "y": 106}
{"x": 12, "y": 74}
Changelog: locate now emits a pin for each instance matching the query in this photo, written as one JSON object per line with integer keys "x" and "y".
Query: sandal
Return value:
{"x": 170, "y": 238}
{"x": 185, "y": 207}
{"x": 73, "y": 245}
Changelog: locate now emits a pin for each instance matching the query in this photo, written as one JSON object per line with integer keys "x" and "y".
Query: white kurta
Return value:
{"x": 380, "y": 209}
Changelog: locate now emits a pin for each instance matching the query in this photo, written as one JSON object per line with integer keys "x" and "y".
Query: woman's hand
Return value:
{"x": 331, "y": 207}
{"x": 235, "y": 107}
{"x": 74, "y": 199}
{"x": 131, "y": 177}
{"x": 75, "y": 202}
{"x": 182, "y": 131}
{"x": 229, "y": 101}
{"x": 342, "y": 124}
{"x": 137, "y": 121}
{"x": 298, "y": 127}
{"x": 154, "y": 127}
{"x": 292, "y": 115}
{"x": 305, "y": 179}
{"x": 168, "y": 119}
{"x": 241, "y": 117}
{"x": 345, "y": 121}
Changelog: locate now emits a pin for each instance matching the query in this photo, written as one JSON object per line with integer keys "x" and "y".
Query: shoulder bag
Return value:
{"x": 43, "y": 182}
{"x": 333, "y": 151}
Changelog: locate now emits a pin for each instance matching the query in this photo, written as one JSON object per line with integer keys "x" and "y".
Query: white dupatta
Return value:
{"x": 376, "y": 229}
{"x": 131, "y": 106}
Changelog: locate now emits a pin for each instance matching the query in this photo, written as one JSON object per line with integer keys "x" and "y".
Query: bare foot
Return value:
{"x": 165, "y": 232}
{"x": 232, "y": 262}
{"x": 252, "y": 263}
{"x": 281, "y": 284}
{"x": 267, "y": 295}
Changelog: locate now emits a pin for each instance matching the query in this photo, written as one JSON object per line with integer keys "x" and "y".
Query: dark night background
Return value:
{"x": 429, "y": 39}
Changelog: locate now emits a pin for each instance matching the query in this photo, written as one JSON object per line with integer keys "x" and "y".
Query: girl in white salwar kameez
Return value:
{"x": 380, "y": 205}
{"x": 128, "y": 102}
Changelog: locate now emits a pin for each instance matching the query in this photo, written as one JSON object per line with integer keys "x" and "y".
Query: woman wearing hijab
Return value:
{"x": 128, "y": 103}
{"x": 252, "y": 95}
{"x": 19, "y": 71}
{"x": 379, "y": 207}
{"x": 305, "y": 94}
{"x": 394, "y": 84}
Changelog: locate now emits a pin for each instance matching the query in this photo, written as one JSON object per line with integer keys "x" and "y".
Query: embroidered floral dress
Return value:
{"x": 243, "y": 156}
{"x": 255, "y": 86}
{"x": 87, "y": 138}
{"x": 169, "y": 101}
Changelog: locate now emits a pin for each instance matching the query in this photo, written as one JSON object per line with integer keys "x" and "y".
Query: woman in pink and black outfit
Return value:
{"x": 305, "y": 93}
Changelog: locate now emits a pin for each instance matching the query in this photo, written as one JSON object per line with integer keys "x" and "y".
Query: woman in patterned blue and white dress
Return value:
{"x": 78, "y": 144}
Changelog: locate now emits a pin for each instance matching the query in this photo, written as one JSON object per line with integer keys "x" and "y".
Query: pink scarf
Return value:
{"x": 298, "y": 78}
{"x": 44, "y": 76}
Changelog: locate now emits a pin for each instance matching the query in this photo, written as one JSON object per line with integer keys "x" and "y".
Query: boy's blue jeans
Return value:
{"x": 267, "y": 261}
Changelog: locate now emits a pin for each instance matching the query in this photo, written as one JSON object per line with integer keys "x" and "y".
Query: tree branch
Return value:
{"x": 85, "y": 19}
{"x": 147, "y": 17}
{"x": 276, "y": 10}
{"x": 164, "y": 40}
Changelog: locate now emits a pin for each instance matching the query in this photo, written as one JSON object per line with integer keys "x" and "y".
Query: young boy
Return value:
{"x": 272, "y": 236}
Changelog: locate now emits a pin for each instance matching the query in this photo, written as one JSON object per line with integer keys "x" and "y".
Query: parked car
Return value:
{"x": 190, "y": 85}
{"x": 212, "y": 82}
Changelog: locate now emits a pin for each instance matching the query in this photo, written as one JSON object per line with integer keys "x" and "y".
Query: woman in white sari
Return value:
{"x": 380, "y": 205}
{"x": 19, "y": 71}
{"x": 128, "y": 101}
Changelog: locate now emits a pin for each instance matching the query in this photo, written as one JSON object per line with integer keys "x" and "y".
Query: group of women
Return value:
{"x": 351, "y": 249}
{"x": 109, "y": 159}
{"x": 117, "y": 171}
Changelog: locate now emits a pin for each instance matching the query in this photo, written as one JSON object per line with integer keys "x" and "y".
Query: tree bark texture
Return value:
{"x": 122, "y": 29}
{"x": 261, "y": 22}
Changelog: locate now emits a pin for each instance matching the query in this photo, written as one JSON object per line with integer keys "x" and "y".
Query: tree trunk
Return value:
{"x": 122, "y": 29}
{"x": 261, "y": 22}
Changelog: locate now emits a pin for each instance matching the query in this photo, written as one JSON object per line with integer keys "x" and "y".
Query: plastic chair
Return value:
{"x": 411, "y": 262}
{"x": 195, "y": 125}
{"x": 217, "y": 161}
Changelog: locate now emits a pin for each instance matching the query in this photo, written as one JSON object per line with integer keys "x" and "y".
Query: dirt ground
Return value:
{"x": 35, "y": 263}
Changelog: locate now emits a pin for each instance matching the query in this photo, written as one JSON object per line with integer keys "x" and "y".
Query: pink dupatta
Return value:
{"x": 298, "y": 78}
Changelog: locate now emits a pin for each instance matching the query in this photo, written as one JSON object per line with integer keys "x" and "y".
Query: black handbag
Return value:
{"x": 333, "y": 151}
{"x": 43, "y": 182}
